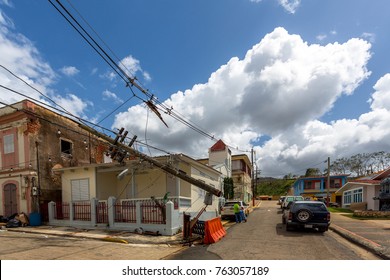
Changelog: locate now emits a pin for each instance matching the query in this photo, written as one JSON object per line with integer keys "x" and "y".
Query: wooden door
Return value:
{"x": 10, "y": 201}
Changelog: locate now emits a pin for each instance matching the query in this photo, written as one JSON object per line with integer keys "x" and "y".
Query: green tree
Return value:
{"x": 228, "y": 187}
{"x": 312, "y": 172}
{"x": 274, "y": 187}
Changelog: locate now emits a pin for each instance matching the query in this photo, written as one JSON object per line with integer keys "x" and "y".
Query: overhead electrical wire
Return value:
{"x": 71, "y": 115}
{"x": 129, "y": 81}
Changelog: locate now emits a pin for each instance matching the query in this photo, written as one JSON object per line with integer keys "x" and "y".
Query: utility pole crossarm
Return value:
{"x": 165, "y": 167}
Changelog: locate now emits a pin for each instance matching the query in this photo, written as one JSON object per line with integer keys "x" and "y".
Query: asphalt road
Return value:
{"x": 264, "y": 237}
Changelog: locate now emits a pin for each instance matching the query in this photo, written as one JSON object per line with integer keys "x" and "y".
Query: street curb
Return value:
{"x": 371, "y": 246}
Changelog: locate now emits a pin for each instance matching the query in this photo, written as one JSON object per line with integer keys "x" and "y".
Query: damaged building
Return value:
{"x": 34, "y": 139}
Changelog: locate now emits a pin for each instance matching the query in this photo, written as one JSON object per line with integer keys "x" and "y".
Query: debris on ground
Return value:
{"x": 15, "y": 220}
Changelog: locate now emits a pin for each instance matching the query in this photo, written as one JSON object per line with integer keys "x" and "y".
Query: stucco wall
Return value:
{"x": 106, "y": 185}
{"x": 369, "y": 194}
{"x": 151, "y": 184}
{"x": 77, "y": 174}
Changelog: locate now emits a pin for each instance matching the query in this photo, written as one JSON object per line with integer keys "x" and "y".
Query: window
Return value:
{"x": 80, "y": 189}
{"x": 308, "y": 185}
{"x": 335, "y": 183}
{"x": 9, "y": 144}
{"x": 358, "y": 195}
{"x": 353, "y": 196}
{"x": 237, "y": 165}
{"x": 66, "y": 147}
{"x": 347, "y": 197}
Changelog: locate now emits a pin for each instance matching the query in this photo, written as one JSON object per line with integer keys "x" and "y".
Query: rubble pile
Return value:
{"x": 15, "y": 220}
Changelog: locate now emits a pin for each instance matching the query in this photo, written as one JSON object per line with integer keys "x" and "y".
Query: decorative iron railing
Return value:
{"x": 61, "y": 211}
{"x": 82, "y": 211}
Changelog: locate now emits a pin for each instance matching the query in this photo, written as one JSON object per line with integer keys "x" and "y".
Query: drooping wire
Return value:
{"x": 100, "y": 38}
{"x": 129, "y": 81}
{"x": 71, "y": 115}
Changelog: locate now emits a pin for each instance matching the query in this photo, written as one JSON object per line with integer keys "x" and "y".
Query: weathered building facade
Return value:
{"x": 242, "y": 177}
{"x": 34, "y": 139}
{"x": 237, "y": 167}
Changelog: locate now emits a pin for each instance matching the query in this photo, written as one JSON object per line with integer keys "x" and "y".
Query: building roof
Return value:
{"x": 382, "y": 175}
{"x": 363, "y": 183}
{"x": 219, "y": 146}
{"x": 370, "y": 180}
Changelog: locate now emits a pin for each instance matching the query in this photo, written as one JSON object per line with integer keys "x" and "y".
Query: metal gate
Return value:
{"x": 10, "y": 202}
{"x": 102, "y": 212}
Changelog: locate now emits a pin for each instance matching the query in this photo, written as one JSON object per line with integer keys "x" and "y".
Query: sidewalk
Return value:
{"x": 374, "y": 235}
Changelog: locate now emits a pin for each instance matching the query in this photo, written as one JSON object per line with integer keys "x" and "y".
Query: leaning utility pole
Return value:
{"x": 165, "y": 167}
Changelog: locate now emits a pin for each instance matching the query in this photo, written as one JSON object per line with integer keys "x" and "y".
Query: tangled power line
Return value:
{"x": 108, "y": 55}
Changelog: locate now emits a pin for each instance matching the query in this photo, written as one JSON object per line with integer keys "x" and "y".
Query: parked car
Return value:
{"x": 331, "y": 204}
{"x": 334, "y": 204}
{"x": 291, "y": 198}
{"x": 307, "y": 214}
{"x": 227, "y": 211}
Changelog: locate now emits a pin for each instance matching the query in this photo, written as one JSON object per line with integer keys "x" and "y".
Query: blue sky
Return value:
{"x": 296, "y": 80}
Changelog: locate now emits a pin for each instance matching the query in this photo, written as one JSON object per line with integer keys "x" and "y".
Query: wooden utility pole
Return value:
{"x": 165, "y": 167}
{"x": 253, "y": 179}
{"x": 328, "y": 183}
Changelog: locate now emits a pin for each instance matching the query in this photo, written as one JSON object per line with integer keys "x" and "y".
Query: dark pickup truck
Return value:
{"x": 307, "y": 214}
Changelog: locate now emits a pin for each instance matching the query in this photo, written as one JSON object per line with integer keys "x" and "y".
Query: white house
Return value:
{"x": 365, "y": 190}
{"x": 138, "y": 186}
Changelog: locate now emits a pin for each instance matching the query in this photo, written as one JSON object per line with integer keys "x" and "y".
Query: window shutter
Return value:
{"x": 80, "y": 189}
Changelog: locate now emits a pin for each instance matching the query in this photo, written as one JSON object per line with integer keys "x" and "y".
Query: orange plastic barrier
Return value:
{"x": 214, "y": 231}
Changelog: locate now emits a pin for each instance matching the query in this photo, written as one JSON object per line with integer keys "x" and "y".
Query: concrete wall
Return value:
{"x": 172, "y": 226}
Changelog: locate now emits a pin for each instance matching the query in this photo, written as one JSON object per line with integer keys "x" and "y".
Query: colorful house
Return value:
{"x": 316, "y": 187}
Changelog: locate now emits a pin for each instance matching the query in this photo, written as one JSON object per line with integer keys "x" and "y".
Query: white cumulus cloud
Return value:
{"x": 21, "y": 59}
{"x": 317, "y": 140}
{"x": 279, "y": 87}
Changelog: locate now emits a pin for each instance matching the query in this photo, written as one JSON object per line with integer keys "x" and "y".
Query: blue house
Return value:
{"x": 316, "y": 187}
